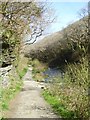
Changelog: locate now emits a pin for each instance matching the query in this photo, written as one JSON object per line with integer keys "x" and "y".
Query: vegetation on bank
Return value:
{"x": 58, "y": 107}
{"x": 38, "y": 69}
{"x": 10, "y": 92}
{"x": 69, "y": 95}
{"x": 21, "y": 65}
{"x": 15, "y": 83}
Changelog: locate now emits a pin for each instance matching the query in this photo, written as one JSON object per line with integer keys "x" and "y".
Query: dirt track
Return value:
{"x": 29, "y": 103}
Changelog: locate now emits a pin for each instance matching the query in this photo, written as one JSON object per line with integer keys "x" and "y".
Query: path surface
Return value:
{"x": 29, "y": 103}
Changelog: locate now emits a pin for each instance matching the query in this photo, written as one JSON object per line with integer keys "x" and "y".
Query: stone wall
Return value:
{"x": 7, "y": 75}
{"x": 4, "y": 73}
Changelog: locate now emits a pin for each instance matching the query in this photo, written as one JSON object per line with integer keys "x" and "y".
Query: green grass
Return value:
{"x": 57, "y": 106}
{"x": 14, "y": 88}
{"x": 16, "y": 75}
{"x": 8, "y": 94}
{"x": 23, "y": 72}
{"x": 38, "y": 69}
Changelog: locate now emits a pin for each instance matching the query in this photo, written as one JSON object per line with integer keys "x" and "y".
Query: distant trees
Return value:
{"x": 70, "y": 44}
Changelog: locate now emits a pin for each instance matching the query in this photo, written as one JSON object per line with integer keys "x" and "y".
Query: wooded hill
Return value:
{"x": 62, "y": 46}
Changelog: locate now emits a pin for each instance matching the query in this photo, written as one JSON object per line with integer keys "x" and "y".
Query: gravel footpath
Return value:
{"x": 29, "y": 103}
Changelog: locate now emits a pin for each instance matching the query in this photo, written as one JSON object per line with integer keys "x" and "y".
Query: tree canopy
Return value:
{"x": 18, "y": 19}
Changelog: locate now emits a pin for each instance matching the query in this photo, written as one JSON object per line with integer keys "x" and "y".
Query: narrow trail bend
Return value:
{"x": 29, "y": 103}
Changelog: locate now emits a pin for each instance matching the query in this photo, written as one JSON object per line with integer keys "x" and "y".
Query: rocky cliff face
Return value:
{"x": 62, "y": 45}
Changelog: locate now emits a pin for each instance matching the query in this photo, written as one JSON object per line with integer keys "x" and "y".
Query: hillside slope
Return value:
{"x": 62, "y": 45}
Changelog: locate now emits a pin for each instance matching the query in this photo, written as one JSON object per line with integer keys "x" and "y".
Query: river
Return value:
{"x": 51, "y": 73}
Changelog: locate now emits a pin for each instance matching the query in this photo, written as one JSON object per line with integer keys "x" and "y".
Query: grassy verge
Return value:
{"x": 12, "y": 90}
{"x": 16, "y": 83}
{"x": 8, "y": 94}
{"x": 23, "y": 72}
{"x": 22, "y": 66}
{"x": 57, "y": 106}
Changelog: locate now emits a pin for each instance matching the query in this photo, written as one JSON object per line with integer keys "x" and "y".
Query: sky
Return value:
{"x": 65, "y": 13}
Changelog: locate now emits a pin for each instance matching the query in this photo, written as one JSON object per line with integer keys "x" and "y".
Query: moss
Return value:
{"x": 23, "y": 72}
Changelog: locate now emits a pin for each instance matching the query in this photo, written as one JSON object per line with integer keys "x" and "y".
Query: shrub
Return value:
{"x": 72, "y": 90}
{"x": 38, "y": 69}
